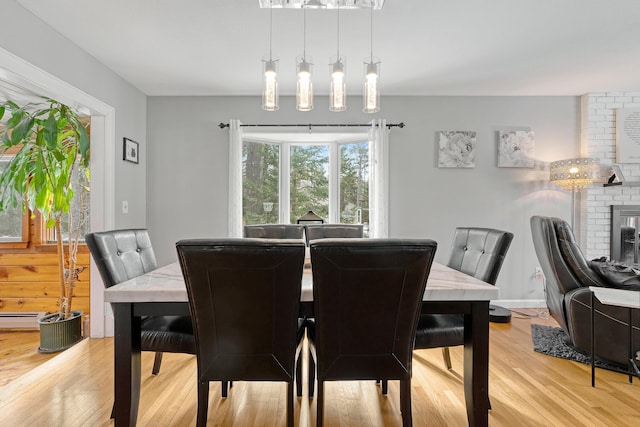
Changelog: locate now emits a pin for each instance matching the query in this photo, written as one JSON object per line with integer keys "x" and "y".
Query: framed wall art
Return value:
{"x": 627, "y": 135}
{"x": 516, "y": 149}
{"x": 457, "y": 149}
{"x": 130, "y": 151}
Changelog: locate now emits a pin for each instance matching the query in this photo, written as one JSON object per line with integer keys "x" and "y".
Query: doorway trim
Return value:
{"x": 17, "y": 71}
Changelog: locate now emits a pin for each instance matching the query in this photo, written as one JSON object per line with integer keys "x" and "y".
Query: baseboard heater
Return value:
{"x": 20, "y": 320}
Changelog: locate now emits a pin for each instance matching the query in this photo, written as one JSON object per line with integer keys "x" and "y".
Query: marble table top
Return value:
{"x": 166, "y": 284}
{"x": 617, "y": 297}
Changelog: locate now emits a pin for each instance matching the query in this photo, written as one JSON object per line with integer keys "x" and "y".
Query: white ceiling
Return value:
{"x": 427, "y": 47}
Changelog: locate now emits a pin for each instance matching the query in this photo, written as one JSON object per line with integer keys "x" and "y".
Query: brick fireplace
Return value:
{"x": 598, "y": 139}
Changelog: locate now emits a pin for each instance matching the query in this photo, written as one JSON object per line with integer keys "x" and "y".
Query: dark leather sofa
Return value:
{"x": 568, "y": 277}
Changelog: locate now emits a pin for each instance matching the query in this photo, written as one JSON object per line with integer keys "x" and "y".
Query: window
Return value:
{"x": 308, "y": 181}
{"x": 11, "y": 220}
{"x": 260, "y": 183}
{"x": 14, "y": 224}
{"x": 283, "y": 180}
{"x": 354, "y": 183}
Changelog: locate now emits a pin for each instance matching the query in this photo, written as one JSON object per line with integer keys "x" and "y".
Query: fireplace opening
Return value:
{"x": 625, "y": 240}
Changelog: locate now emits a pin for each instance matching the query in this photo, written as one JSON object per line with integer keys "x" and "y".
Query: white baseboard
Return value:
{"x": 520, "y": 303}
{"x": 20, "y": 320}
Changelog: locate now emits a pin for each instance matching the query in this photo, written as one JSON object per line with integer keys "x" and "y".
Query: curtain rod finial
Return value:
{"x": 223, "y": 125}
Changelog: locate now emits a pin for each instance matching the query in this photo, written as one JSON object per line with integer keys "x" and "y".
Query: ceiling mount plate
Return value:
{"x": 321, "y": 4}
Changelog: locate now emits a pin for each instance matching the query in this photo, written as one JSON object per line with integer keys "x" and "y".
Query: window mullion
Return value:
{"x": 285, "y": 187}
{"x": 334, "y": 183}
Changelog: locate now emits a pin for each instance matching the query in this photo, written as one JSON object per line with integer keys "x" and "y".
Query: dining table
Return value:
{"x": 163, "y": 292}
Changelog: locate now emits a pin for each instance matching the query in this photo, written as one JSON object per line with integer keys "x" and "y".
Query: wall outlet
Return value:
{"x": 125, "y": 207}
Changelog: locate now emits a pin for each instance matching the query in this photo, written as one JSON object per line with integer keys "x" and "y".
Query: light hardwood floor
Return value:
{"x": 526, "y": 389}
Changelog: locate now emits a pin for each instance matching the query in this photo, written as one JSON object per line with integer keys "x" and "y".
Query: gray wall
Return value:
{"x": 187, "y": 171}
{"x": 30, "y": 39}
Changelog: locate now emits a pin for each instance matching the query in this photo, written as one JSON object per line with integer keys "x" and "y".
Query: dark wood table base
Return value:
{"x": 128, "y": 370}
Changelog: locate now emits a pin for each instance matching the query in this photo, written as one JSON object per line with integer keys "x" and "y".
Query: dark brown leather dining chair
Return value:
{"x": 333, "y": 231}
{"x": 367, "y": 296}
{"x": 478, "y": 252}
{"x": 121, "y": 255}
{"x": 274, "y": 231}
{"x": 244, "y": 298}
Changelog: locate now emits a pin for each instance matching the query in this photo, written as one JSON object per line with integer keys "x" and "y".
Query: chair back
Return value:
{"x": 367, "y": 297}
{"x": 562, "y": 263}
{"x": 333, "y": 231}
{"x": 121, "y": 255}
{"x": 244, "y": 298}
{"x": 274, "y": 231}
{"x": 479, "y": 252}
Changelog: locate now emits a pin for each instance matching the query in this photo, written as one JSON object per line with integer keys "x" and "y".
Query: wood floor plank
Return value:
{"x": 75, "y": 388}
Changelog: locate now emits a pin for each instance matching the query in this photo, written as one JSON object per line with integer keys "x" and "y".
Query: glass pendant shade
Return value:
{"x": 338, "y": 89}
{"x": 270, "y": 95}
{"x": 371, "y": 98}
{"x": 304, "y": 87}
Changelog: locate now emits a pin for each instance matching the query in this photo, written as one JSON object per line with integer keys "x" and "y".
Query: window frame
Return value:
{"x": 24, "y": 238}
{"x": 284, "y": 158}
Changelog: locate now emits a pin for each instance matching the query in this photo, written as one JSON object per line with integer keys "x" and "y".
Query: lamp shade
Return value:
{"x": 574, "y": 174}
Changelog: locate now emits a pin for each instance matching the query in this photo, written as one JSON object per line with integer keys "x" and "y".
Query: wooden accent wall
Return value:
{"x": 29, "y": 277}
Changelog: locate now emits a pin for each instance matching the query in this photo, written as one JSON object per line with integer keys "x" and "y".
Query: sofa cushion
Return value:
{"x": 617, "y": 275}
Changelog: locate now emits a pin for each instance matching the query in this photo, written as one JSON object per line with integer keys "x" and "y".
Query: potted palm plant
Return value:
{"x": 51, "y": 145}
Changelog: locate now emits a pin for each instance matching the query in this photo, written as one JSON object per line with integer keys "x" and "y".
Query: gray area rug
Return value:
{"x": 553, "y": 341}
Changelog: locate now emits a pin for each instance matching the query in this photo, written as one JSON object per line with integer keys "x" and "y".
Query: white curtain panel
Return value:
{"x": 235, "y": 178}
{"x": 379, "y": 179}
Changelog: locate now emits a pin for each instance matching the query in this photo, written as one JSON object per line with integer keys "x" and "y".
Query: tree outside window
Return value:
{"x": 306, "y": 178}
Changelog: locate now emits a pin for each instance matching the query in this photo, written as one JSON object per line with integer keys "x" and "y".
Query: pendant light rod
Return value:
{"x": 270, "y": 28}
{"x": 338, "y": 32}
{"x": 371, "y": 38}
{"x": 304, "y": 33}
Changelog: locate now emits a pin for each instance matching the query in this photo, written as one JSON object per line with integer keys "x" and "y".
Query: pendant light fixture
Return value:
{"x": 338, "y": 89}
{"x": 371, "y": 97}
{"x": 304, "y": 87}
{"x": 270, "y": 96}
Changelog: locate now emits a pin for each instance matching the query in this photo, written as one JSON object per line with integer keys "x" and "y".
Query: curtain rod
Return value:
{"x": 310, "y": 125}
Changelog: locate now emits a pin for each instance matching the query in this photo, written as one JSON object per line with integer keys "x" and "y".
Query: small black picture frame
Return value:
{"x": 130, "y": 150}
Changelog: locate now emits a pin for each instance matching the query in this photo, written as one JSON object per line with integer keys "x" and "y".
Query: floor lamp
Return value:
{"x": 574, "y": 175}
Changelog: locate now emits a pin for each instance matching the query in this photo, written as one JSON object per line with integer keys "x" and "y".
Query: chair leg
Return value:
{"x": 320, "y": 404}
{"x": 299, "y": 376}
{"x": 225, "y": 388}
{"x": 447, "y": 357}
{"x": 312, "y": 374}
{"x": 385, "y": 387}
{"x": 405, "y": 403}
{"x": 290, "y": 404}
{"x": 203, "y": 403}
{"x": 156, "y": 363}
